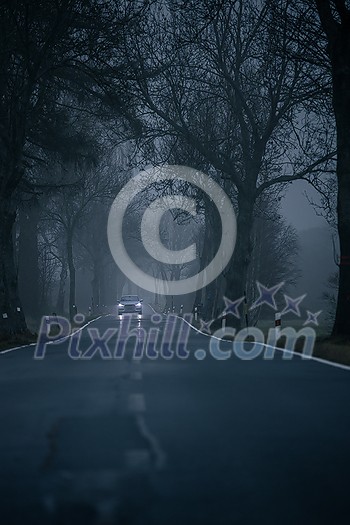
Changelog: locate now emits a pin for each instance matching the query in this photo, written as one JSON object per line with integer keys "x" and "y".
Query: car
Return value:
{"x": 130, "y": 304}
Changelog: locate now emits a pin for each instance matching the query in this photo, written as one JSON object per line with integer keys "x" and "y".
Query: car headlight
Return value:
{"x": 120, "y": 304}
{"x": 138, "y": 304}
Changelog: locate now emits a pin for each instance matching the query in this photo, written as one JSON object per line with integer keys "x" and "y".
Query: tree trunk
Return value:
{"x": 102, "y": 282}
{"x": 12, "y": 319}
{"x": 96, "y": 286}
{"x": 338, "y": 36}
{"x": 341, "y": 102}
{"x": 210, "y": 303}
{"x": 71, "y": 267}
{"x": 28, "y": 258}
{"x": 342, "y": 317}
{"x": 238, "y": 271}
{"x": 120, "y": 286}
{"x": 61, "y": 288}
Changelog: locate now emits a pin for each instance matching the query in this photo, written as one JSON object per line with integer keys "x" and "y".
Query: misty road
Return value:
{"x": 173, "y": 441}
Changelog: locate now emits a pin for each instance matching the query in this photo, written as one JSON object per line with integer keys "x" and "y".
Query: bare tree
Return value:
{"x": 71, "y": 206}
{"x": 275, "y": 248}
{"x": 219, "y": 85}
{"x": 54, "y": 57}
{"x": 335, "y": 21}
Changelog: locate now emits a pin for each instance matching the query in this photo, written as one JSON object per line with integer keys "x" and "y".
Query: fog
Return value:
{"x": 174, "y": 262}
{"x": 248, "y": 123}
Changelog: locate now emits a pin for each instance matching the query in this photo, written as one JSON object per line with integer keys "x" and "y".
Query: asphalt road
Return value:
{"x": 171, "y": 441}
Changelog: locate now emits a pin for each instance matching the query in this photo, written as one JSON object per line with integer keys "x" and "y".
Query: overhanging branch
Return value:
{"x": 296, "y": 176}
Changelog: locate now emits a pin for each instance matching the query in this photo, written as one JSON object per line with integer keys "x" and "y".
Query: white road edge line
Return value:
{"x": 158, "y": 313}
{"x": 283, "y": 350}
{"x": 51, "y": 342}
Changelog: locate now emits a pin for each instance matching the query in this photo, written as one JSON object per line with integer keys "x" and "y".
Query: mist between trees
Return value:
{"x": 253, "y": 93}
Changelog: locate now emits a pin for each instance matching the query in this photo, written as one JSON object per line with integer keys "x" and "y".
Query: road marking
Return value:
{"x": 152, "y": 308}
{"x": 136, "y": 403}
{"x": 158, "y": 313}
{"x": 53, "y": 342}
{"x": 284, "y": 350}
{"x": 136, "y": 376}
{"x": 157, "y": 452}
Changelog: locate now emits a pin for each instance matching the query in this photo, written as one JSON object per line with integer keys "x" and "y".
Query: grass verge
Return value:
{"x": 28, "y": 338}
{"x": 334, "y": 349}
{"x": 18, "y": 340}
